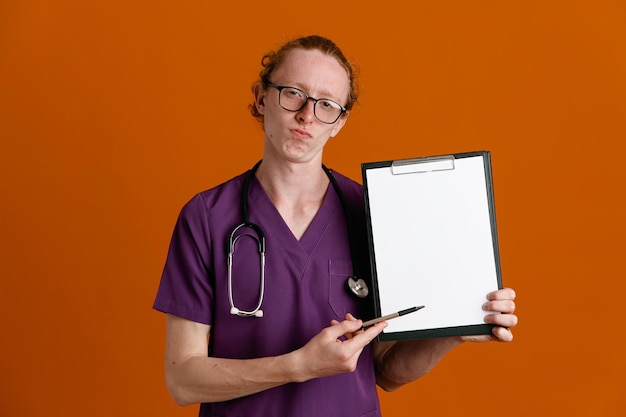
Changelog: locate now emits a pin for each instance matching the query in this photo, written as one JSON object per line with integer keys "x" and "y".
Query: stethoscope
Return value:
{"x": 357, "y": 286}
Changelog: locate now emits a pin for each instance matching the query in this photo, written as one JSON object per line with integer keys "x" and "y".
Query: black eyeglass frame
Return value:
{"x": 280, "y": 88}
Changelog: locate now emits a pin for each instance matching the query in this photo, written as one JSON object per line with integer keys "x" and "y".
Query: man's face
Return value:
{"x": 299, "y": 136}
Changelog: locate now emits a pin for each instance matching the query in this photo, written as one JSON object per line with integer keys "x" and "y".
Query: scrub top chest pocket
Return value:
{"x": 339, "y": 298}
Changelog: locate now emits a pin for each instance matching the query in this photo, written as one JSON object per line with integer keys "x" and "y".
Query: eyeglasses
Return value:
{"x": 293, "y": 99}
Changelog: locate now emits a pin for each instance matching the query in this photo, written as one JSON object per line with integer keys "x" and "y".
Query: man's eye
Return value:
{"x": 294, "y": 93}
{"x": 329, "y": 105}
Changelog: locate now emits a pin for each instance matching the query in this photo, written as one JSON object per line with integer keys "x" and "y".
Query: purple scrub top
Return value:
{"x": 305, "y": 288}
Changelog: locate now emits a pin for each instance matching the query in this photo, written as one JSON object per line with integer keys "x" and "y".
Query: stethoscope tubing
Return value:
{"x": 358, "y": 288}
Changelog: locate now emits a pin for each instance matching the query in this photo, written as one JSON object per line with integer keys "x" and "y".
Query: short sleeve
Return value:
{"x": 186, "y": 288}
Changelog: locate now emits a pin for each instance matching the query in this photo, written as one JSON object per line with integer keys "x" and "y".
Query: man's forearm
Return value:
{"x": 398, "y": 363}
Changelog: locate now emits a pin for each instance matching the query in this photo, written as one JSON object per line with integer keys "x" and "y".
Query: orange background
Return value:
{"x": 113, "y": 114}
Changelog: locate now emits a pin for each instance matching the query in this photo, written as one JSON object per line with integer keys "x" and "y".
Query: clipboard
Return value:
{"x": 433, "y": 241}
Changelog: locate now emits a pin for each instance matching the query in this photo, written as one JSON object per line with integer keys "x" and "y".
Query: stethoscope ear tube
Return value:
{"x": 260, "y": 239}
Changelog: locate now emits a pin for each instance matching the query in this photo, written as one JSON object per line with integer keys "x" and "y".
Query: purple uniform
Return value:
{"x": 305, "y": 288}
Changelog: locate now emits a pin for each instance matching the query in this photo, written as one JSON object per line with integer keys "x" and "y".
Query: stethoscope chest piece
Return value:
{"x": 358, "y": 287}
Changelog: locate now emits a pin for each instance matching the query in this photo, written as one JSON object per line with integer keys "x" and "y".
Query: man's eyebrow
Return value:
{"x": 324, "y": 94}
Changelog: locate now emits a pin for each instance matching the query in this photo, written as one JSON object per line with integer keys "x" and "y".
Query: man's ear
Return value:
{"x": 339, "y": 124}
{"x": 259, "y": 97}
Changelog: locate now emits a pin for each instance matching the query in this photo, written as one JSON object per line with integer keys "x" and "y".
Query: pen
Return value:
{"x": 372, "y": 322}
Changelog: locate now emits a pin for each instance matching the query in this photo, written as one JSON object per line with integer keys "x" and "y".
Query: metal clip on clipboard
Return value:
{"x": 422, "y": 165}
